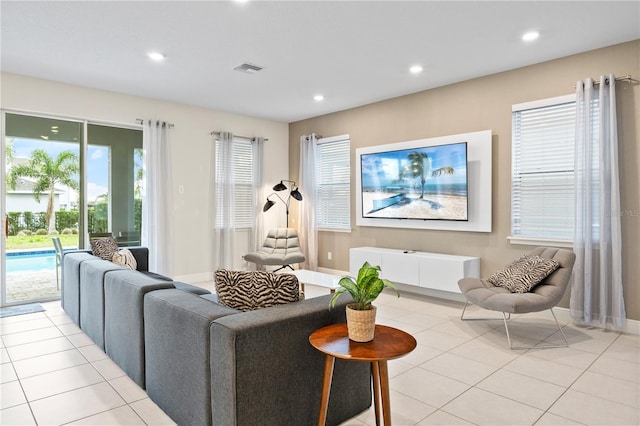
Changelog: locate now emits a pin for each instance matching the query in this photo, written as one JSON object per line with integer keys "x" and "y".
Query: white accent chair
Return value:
{"x": 281, "y": 248}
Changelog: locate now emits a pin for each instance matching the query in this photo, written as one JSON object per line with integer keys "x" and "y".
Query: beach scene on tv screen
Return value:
{"x": 419, "y": 183}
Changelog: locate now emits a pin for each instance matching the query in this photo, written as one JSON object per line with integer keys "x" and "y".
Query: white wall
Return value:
{"x": 190, "y": 147}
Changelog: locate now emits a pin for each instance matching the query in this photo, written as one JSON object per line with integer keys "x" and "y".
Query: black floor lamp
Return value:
{"x": 294, "y": 193}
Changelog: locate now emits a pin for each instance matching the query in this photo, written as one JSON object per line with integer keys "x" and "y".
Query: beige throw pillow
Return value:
{"x": 125, "y": 258}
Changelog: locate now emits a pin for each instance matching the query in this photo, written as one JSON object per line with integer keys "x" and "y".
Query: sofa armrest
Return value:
{"x": 269, "y": 349}
{"x": 142, "y": 257}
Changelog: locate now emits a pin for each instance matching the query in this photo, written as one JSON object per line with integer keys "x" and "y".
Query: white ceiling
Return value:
{"x": 353, "y": 52}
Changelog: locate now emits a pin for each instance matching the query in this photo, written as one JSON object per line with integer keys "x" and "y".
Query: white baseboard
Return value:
{"x": 332, "y": 271}
{"x": 194, "y": 278}
{"x": 631, "y": 327}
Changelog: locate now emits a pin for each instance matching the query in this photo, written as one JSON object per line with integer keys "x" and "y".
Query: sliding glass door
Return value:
{"x": 66, "y": 180}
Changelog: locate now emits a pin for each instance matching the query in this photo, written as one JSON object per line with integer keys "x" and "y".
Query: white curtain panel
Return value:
{"x": 222, "y": 206}
{"x": 157, "y": 203}
{"x": 308, "y": 233}
{"x": 596, "y": 293}
{"x": 257, "y": 146}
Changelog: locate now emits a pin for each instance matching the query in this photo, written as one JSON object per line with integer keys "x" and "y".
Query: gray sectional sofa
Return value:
{"x": 207, "y": 364}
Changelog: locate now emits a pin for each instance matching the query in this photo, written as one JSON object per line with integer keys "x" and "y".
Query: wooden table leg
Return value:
{"x": 326, "y": 388}
{"x": 384, "y": 388}
{"x": 375, "y": 377}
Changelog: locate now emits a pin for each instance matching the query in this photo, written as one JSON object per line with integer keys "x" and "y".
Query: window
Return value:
{"x": 542, "y": 178}
{"x": 242, "y": 169}
{"x": 66, "y": 177}
{"x": 333, "y": 190}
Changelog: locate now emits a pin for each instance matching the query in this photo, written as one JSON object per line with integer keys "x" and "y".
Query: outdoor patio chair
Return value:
{"x": 59, "y": 252}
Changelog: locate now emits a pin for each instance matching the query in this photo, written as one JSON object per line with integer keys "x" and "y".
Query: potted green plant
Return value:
{"x": 361, "y": 315}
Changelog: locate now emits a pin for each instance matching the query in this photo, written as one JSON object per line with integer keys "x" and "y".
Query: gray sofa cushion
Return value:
{"x": 71, "y": 282}
{"x": 124, "y": 322}
{"x": 71, "y": 276}
{"x": 92, "y": 274}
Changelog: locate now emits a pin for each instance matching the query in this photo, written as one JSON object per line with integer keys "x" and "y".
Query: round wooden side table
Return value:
{"x": 388, "y": 343}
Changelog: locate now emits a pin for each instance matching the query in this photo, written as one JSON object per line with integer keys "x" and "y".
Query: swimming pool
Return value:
{"x": 31, "y": 262}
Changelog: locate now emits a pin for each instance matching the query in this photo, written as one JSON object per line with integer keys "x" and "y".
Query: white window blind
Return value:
{"x": 333, "y": 175}
{"x": 242, "y": 182}
{"x": 542, "y": 187}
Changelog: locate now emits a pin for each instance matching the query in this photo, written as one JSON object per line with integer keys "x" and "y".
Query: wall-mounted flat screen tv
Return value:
{"x": 424, "y": 183}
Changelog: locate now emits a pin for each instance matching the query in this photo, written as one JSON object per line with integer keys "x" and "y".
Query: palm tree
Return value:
{"x": 47, "y": 173}
{"x": 419, "y": 166}
{"x": 8, "y": 159}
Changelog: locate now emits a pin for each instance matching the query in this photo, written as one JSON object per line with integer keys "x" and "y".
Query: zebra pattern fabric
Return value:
{"x": 125, "y": 258}
{"x": 250, "y": 290}
{"x": 104, "y": 248}
{"x": 521, "y": 275}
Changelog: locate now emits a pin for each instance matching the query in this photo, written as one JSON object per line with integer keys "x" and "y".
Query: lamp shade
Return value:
{"x": 268, "y": 205}
{"x": 296, "y": 194}
{"x": 279, "y": 186}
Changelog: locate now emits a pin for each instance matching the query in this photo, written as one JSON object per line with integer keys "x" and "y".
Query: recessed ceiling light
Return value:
{"x": 416, "y": 69}
{"x": 156, "y": 56}
{"x": 318, "y": 98}
{"x": 530, "y": 36}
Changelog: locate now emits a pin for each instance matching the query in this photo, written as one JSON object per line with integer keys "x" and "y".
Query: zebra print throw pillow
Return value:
{"x": 125, "y": 258}
{"x": 521, "y": 275}
{"x": 104, "y": 248}
{"x": 250, "y": 290}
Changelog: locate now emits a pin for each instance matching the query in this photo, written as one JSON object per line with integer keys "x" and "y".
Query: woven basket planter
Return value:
{"x": 361, "y": 324}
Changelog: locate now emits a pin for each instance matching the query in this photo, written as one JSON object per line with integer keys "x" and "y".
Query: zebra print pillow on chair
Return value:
{"x": 250, "y": 290}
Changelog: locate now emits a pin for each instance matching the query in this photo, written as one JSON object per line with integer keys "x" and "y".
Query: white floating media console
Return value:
{"x": 418, "y": 270}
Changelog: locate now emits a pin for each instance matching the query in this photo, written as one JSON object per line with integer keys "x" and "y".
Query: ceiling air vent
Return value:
{"x": 248, "y": 68}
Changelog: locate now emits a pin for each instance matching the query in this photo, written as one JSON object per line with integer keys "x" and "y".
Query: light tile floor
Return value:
{"x": 461, "y": 373}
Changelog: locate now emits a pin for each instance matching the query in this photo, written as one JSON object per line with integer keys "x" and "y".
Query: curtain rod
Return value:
{"x": 141, "y": 121}
{"x": 217, "y": 132}
{"x": 606, "y": 80}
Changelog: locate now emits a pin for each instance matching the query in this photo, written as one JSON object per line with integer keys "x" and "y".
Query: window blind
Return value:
{"x": 333, "y": 175}
{"x": 542, "y": 188}
{"x": 242, "y": 182}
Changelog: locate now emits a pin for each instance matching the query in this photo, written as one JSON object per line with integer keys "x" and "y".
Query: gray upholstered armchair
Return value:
{"x": 542, "y": 296}
{"x": 280, "y": 248}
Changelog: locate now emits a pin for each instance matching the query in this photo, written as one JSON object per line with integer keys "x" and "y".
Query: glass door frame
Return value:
{"x": 82, "y": 195}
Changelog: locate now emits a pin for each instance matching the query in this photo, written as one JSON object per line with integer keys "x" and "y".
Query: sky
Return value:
{"x": 383, "y": 168}
{"x": 97, "y": 164}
